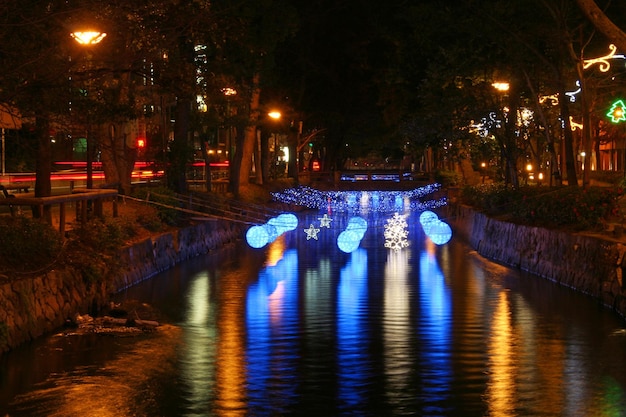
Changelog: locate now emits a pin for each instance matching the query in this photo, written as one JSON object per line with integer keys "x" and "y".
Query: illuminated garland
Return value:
{"x": 354, "y": 201}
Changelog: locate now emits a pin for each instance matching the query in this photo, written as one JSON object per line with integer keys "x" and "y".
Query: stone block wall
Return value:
{"x": 31, "y": 307}
{"x": 587, "y": 263}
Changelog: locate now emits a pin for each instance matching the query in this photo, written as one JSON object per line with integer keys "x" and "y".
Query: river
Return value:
{"x": 301, "y": 328}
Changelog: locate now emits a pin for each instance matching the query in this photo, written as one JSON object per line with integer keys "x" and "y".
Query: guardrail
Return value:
{"x": 83, "y": 199}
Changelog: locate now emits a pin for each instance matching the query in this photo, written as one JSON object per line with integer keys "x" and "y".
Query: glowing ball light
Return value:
{"x": 348, "y": 241}
{"x": 357, "y": 225}
{"x": 260, "y": 235}
{"x": 257, "y": 237}
{"x": 440, "y": 232}
{"x": 427, "y": 218}
{"x": 284, "y": 222}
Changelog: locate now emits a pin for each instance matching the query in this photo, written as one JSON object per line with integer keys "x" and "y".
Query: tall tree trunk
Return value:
{"x": 250, "y": 135}
{"x": 43, "y": 168}
{"x": 118, "y": 155}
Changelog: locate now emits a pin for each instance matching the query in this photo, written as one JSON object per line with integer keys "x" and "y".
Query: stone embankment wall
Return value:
{"x": 32, "y": 307}
{"x": 591, "y": 264}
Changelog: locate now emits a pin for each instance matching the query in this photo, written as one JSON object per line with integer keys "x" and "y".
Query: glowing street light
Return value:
{"x": 274, "y": 115}
{"x": 88, "y": 38}
{"x": 501, "y": 86}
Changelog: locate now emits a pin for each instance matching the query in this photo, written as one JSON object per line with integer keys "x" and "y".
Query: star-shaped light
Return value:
{"x": 396, "y": 232}
{"x": 311, "y": 232}
{"x": 325, "y": 221}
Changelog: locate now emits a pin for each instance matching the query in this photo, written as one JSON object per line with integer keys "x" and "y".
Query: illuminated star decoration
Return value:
{"x": 325, "y": 221}
{"x": 396, "y": 232}
{"x": 311, "y": 232}
{"x": 617, "y": 112}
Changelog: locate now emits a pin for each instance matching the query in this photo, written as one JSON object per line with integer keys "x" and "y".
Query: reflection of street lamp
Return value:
{"x": 88, "y": 38}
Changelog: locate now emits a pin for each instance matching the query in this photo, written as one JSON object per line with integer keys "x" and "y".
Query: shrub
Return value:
{"x": 167, "y": 201}
{"x": 558, "y": 207}
{"x": 448, "y": 178}
{"x": 27, "y": 245}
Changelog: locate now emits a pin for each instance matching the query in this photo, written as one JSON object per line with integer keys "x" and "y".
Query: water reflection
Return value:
{"x": 302, "y": 328}
{"x": 355, "y": 371}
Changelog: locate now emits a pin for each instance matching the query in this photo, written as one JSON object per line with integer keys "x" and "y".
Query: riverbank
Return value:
{"x": 33, "y": 306}
{"x": 591, "y": 264}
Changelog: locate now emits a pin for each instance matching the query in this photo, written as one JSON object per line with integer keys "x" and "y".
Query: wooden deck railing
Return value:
{"x": 81, "y": 198}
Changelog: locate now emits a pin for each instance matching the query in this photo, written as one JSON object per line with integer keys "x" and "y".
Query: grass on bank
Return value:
{"x": 567, "y": 208}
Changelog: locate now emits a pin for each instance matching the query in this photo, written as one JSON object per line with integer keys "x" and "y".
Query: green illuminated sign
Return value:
{"x": 617, "y": 112}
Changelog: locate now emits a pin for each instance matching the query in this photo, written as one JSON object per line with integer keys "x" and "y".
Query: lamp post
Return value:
{"x": 86, "y": 39}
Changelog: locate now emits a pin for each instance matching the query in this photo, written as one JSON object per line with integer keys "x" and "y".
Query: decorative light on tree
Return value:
{"x": 617, "y": 113}
{"x": 603, "y": 61}
{"x": 396, "y": 232}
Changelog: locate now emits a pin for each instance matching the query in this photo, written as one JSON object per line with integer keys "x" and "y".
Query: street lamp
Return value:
{"x": 276, "y": 115}
{"x": 229, "y": 92}
{"x": 88, "y": 38}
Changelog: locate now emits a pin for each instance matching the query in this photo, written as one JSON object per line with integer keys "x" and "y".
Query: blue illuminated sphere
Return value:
{"x": 440, "y": 233}
{"x": 357, "y": 225}
{"x": 348, "y": 241}
{"x": 257, "y": 236}
{"x": 427, "y": 219}
{"x": 284, "y": 223}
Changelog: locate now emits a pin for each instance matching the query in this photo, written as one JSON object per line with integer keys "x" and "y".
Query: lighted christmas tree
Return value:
{"x": 617, "y": 112}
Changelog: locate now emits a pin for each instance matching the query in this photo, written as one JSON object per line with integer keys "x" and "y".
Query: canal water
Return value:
{"x": 299, "y": 327}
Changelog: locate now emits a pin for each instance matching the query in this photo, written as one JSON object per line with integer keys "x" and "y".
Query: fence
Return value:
{"x": 46, "y": 207}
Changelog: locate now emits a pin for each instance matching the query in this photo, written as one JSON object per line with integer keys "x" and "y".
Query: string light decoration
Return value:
{"x": 311, "y": 232}
{"x": 348, "y": 241}
{"x": 348, "y": 201}
{"x": 439, "y": 232}
{"x": 427, "y": 219}
{"x": 258, "y": 236}
{"x": 396, "y": 232}
{"x": 617, "y": 112}
{"x": 325, "y": 221}
{"x": 603, "y": 61}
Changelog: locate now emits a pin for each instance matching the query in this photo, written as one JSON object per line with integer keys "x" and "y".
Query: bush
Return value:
{"x": 557, "y": 207}
{"x": 27, "y": 245}
{"x": 167, "y": 198}
{"x": 448, "y": 178}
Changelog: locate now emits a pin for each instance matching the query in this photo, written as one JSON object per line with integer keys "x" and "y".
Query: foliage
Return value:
{"x": 27, "y": 245}
{"x": 167, "y": 201}
{"x": 572, "y": 208}
{"x": 448, "y": 178}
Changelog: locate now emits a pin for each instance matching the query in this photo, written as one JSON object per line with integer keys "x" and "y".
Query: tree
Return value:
{"x": 603, "y": 23}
